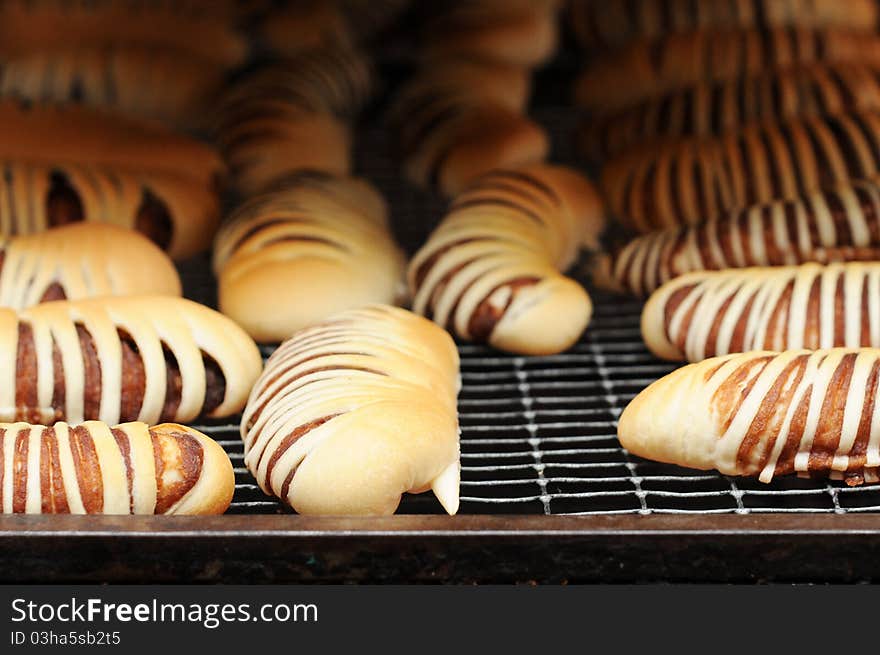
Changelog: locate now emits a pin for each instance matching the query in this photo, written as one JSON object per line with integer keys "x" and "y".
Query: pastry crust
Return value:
{"x": 491, "y": 270}
{"x": 97, "y": 469}
{"x": 841, "y": 224}
{"x": 353, "y": 412}
{"x": 315, "y": 246}
{"x": 174, "y": 211}
{"x": 617, "y": 22}
{"x": 82, "y": 261}
{"x": 651, "y": 68}
{"x": 697, "y": 180}
{"x": 146, "y": 358}
{"x": 764, "y": 414}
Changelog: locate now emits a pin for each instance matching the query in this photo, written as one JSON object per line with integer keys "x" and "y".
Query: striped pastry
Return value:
{"x": 97, "y": 469}
{"x": 650, "y": 68}
{"x": 617, "y": 22}
{"x": 709, "y": 109}
{"x": 82, "y": 261}
{"x": 813, "y": 306}
{"x": 491, "y": 271}
{"x": 145, "y": 358}
{"x": 314, "y": 246}
{"x": 293, "y": 115}
{"x": 842, "y": 224}
{"x": 174, "y": 211}
{"x": 697, "y": 180}
{"x": 353, "y": 412}
{"x": 764, "y": 414}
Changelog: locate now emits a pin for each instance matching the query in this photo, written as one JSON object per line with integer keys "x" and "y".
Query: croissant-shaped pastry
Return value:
{"x": 97, "y": 469}
{"x": 813, "y": 306}
{"x": 765, "y": 414}
{"x": 491, "y": 271}
{"x": 82, "y": 261}
{"x": 353, "y": 412}
{"x": 616, "y": 23}
{"x": 709, "y": 109}
{"x": 696, "y": 180}
{"x": 310, "y": 248}
{"x": 842, "y": 224}
{"x": 173, "y": 211}
{"x": 650, "y": 68}
{"x": 290, "y": 29}
{"x": 292, "y": 116}
{"x": 146, "y": 358}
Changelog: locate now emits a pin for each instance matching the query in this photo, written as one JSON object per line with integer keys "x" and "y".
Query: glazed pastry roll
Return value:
{"x": 616, "y": 23}
{"x": 82, "y": 261}
{"x": 174, "y": 211}
{"x": 697, "y": 180}
{"x": 353, "y": 412}
{"x": 145, "y": 358}
{"x": 764, "y": 414}
{"x": 492, "y": 270}
{"x": 709, "y": 109}
{"x": 97, "y": 469}
{"x": 312, "y": 247}
{"x": 842, "y": 224}
{"x": 813, "y": 306}
{"x": 650, "y": 68}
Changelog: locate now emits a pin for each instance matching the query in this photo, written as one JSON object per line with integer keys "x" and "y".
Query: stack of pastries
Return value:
{"x": 739, "y": 160}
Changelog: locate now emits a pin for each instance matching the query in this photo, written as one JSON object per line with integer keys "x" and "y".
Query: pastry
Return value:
{"x": 353, "y": 412}
{"x": 315, "y": 245}
{"x": 764, "y": 414}
{"x": 97, "y": 469}
{"x": 145, "y": 358}
{"x": 172, "y": 210}
{"x": 492, "y": 270}
{"x": 813, "y": 306}
{"x": 82, "y": 261}
{"x": 842, "y": 224}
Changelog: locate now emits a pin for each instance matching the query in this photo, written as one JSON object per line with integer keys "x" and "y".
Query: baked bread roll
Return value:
{"x": 353, "y": 412}
{"x": 709, "y": 109}
{"x": 616, "y": 23}
{"x": 842, "y": 224}
{"x": 764, "y": 414}
{"x": 82, "y": 261}
{"x": 813, "y": 306}
{"x": 697, "y": 180}
{"x": 294, "y": 115}
{"x": 451, "y": 128}
{"x": 173, "y": 211}
{"x": 97, "y": 469}
{"x": 146, "y": 358}
{"x": 650, "y": 68}
{"x": 491, "y": 271}
{"x": 314, "y": 246}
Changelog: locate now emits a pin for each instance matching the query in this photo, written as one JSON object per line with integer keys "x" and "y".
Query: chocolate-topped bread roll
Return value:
{"x": 97, "y": 469}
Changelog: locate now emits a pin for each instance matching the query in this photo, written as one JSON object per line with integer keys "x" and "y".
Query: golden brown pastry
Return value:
{"x": 314, "y": 246}
{"x": 175, "y": 212}
{"x": 451, "y": 127}
{"x": 492, "y": 270}
{"x": 82, "y": 261}
{"x": 650, "y": 68}
{"x": 697, "y": 180}
{"x": 293, "y": 115}
{"x": 709, "y": 109}
{"x": 97, "y": 469}
{"x": 617, "y": 22}
{"x": 353, "y": 412}
{"x": 297, "y": 27}
{"x": 764, "y": 414}
{"x": 145, "y": 358}
{"x": 842, "y": 224}
{"x": 813, "y": 306}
